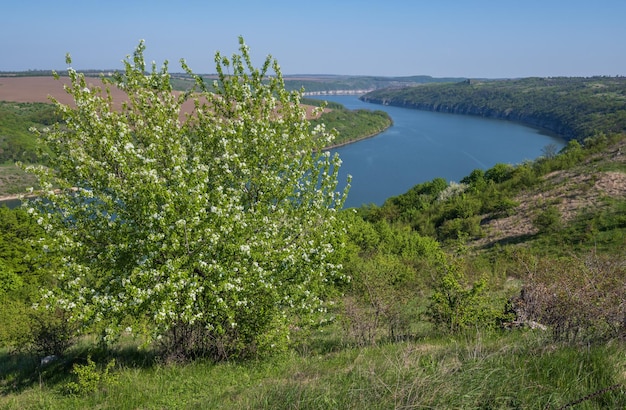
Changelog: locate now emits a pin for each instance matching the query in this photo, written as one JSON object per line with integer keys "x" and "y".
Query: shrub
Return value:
{"x": 548, "y": 220}
{"x": 476, "y": 180}
{"x": 456, "y": 305}
{"x": 389, "y": 266}
{"x": 21, "y": 280}
{"x": 90, "y": 378}
{"x": 457, "y": 228}
{"x": 381, "y": 287}
{"x": 51, "y": 332}
{"x": 580, "y": 299}
{"x": 498, "y": 173}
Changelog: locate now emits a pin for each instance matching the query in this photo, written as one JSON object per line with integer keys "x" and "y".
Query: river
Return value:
{"x": 422, "y": 145}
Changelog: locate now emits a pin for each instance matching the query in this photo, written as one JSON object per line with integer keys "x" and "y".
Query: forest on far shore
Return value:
{"x": 572, "y": 107}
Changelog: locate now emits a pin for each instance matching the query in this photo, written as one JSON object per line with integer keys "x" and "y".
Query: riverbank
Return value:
{"x": 424, "y": 145}
{"x": 353, "y": 125}
{"x": 548, "y": 127}
{"x": 352, "y": 141}
{"x": 10, "y": 201}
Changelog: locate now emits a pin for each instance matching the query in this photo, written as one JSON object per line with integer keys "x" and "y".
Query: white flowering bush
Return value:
{"x": 452, "y": 190}
{"x": 221, "y": 217}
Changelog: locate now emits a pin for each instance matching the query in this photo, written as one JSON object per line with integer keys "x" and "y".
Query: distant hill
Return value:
{"x": 333, "y": 83}
{"x": 572, "y": 107}
{"x": 311, "y": 83}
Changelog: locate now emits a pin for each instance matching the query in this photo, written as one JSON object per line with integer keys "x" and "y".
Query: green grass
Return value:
{"x": 490, "y": 370}
{"x": 353, "y": 125}
{"x": 514, "y": 370}
{"x": 17, "y": 142}
{"x": 601, "y": 229}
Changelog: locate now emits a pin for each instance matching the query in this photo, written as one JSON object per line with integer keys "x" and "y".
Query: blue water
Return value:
{"x": 11, "y": 203}
{"x": 423, "y": 145}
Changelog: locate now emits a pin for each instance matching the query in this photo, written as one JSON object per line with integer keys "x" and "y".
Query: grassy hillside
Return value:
{"x": 14, "y": 181}
{"x": 17, "y": 143}
{"x": 513, "y": 371}
{"x": 329, "y": 83}
{"x": 503, "y": 291}
{"x": 582, "y": 190}
{"x": 391, "y": 345}
{"x": 350, "y": 125}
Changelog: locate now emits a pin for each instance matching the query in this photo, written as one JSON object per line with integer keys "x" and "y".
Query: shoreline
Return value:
{"x": 11, "y": 201}
{"x": 352, "y": 141}
{"x": 6, "y": 200}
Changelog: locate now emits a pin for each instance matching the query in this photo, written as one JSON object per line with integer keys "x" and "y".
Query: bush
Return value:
{"x": 457, "y": 228}
{"x": 456, "y": 305}
{"x": 499, "y": 173}
{"x": 90, "y": 378}
{"x": 223, "y": 218}
{"x": 501, "y": 206}
{"x": 389, "y": 266}
{"x": 21, "y": 281}
{"x": 51, "y": 332}
{"x": 382, "y": 286}
{"x": 580, "y": 299}
{"x": 548, "y": 220}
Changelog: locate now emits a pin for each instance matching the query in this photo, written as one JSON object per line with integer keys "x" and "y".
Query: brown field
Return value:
{"x": 40, "y": 89}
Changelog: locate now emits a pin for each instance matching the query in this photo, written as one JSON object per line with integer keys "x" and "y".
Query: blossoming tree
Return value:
{"x": 217, "y": 222}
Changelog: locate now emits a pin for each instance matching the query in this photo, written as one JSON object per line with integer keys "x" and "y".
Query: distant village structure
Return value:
{"x": 338, "y": 92}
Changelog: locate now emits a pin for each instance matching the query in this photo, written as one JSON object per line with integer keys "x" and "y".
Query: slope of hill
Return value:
{"x": 579, "y": 196}
{"x": 432, "y": 317}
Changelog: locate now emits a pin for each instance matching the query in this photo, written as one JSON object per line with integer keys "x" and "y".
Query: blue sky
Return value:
{"x": 480, "y": 38}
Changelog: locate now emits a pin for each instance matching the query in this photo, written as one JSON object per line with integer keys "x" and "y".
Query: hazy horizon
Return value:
{"x": 480, "y": 39}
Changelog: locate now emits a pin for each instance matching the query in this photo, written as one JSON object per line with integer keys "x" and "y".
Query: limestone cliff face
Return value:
{"x": 539, "y": 121}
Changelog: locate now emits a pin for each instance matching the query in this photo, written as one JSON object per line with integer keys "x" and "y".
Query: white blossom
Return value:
{"x": 186, "y": 221}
